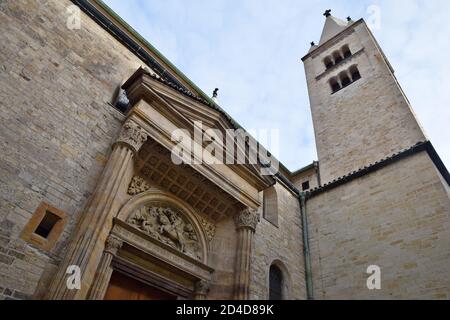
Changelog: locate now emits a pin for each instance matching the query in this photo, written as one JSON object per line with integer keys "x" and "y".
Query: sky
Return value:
{"x": 251, "y": 50}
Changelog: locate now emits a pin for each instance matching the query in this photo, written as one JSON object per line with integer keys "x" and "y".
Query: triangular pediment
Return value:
{"x": 167, "y": 108}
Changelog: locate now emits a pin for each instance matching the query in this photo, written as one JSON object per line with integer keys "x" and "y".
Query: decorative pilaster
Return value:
{"x": 246, "y": 222}
{"x": 104, "y": 270}
{"x": 86, "y": 248}
{"x": 201, "y": 290}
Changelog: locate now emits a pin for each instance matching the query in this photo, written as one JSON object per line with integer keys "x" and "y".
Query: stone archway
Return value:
{"x": 143, "y": 151}
{"x": 157, "y": 239}
{"x": 285, "y": 279}
{"x": 155, "y": 209}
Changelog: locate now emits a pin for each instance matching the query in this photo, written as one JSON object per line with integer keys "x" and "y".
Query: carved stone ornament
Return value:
{"x": 247, "y": 218}
{"x": 168, "y": 226}
{"x": 209, "y": 228}
{"x": 138, "y": 185}
{"x": 113, "y": 244}
{"x": 132, "y": 135}
{"x": 202, "y": 287}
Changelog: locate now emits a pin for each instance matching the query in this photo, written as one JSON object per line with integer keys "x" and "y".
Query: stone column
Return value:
{"x": 246, "y": 222}
{"x": 201, "y": 290}
{"x": 87, "y": 245}
{"x": 104, "y": 270}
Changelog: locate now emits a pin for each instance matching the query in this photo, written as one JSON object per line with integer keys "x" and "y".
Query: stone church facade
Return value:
{"x": 89, "y": 189}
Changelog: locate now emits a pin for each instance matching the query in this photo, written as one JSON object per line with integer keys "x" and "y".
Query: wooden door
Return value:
{"x": 122, "y": 287}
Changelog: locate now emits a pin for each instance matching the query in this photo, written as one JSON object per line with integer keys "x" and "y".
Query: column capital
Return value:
{"x": 132, "y": 135}
{"x": 113, "y": 244}
{"x": 247, "y": 218}
{"x": 201, "y": 288}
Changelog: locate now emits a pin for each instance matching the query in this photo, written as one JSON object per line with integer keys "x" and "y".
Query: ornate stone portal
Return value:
{"x": 168, "y": 226}
{"x": 175, "y": 235}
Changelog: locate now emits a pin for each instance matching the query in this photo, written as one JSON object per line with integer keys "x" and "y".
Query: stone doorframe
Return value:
{"x": 156, "y": 113}
{"x": 193, "y": 275}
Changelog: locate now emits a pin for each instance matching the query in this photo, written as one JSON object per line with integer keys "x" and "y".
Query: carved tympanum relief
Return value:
{"x": 168, "y": 226}
{"x": 139, "y": 185}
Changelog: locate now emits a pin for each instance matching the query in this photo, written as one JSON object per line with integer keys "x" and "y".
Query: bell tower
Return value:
{"x": 360, "y": 113}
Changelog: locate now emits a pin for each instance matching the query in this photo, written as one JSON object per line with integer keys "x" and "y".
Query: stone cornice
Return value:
{"x": 144, "y": 86}
{"x": 419, "y": 147}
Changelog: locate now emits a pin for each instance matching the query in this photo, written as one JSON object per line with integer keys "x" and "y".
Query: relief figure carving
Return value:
{"x": 168, "y": 226}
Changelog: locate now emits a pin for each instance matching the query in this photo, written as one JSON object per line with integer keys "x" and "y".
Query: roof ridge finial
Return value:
{"x": 327, "y": 13}
{"x": 215, "y": 95}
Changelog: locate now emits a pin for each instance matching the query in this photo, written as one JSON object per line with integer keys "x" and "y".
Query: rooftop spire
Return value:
{"x": 332, "y": 27}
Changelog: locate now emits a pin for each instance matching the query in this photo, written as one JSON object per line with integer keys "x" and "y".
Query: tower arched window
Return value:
{"x": 328, "y": 62}
{"x": 345, "y": 79}
{"x": 337, "y": 57}
{"x": 335, "y": 86}
{"x": 354, "y": 72}
{"x": 275, "y": 283}
{"x": 346, "y": 51}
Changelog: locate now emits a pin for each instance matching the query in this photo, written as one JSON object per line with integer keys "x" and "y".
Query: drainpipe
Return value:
{"x": 316, "y": 165}
{"x": 306, "y": 250}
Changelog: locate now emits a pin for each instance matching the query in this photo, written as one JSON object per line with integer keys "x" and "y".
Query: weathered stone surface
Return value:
{"x": 279, "y": 244}
{"x": 57, "y": 128}
{"x": 6, "y": 260}
{"x": 56, "y": 123}
{"x": 393, "y": 218}
{"x": 364, "y": 122}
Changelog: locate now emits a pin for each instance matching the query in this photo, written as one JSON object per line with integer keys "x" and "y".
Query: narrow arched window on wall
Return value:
{"x": 355, "y": 73}
{"x": 328, "y": 62}
{"x": 270, "y": 206}
{"x": 334, "y": 84}
{"x": 345, "y": 79}
{"x": 275, "y": 283}
{"x": 346, "y": 51}
{"x": 337, "y": 57}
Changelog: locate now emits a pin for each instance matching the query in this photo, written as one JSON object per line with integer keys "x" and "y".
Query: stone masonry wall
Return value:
{"x": 310, "y": 176}
{"x": 397, "y": 218}
{"x": 56, "y": 127}
{"x": 364, "y": 122}
{"x": 282, "y": 243}
{"x": 223, "y": 260}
